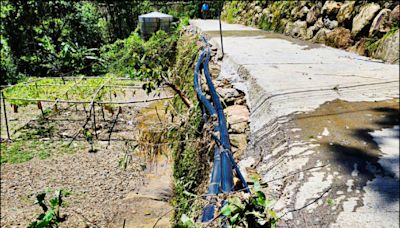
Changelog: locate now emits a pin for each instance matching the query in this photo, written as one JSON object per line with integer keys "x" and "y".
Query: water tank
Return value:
{"x": 154, "y": 21}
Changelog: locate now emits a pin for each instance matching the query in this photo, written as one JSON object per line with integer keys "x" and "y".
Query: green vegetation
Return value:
{"x": 250, "y": 210}
{"x": 331, "y": 202}
{"x": 232, "y": 10}
{"x": 30, "y": 144}
{"x": 50, "y": 217}
{"x": 191, "y": 165}
{"x": 57, "y": 88}
{"x": 192, "y": 155}
{"x": 141, "y": 59}
{"x": 59, "y": 37}
{"x": 279, "y": 10}
{"x": 373, "y": 44}
{"x": 241, "y": 210}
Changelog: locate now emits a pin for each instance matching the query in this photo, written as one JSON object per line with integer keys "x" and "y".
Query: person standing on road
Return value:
{"x": 204, "y": 10}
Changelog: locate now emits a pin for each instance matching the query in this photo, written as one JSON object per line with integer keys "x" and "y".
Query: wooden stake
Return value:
{"x": 39, "y": 104}
{"x": 5, "y": 116}
{"x": 94, "y": 119}
{"x": 102, "y": 111}
{"x": 113, "y": 125}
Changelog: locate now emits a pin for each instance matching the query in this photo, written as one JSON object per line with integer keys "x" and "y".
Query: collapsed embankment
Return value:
{"x": 193, "y": 152}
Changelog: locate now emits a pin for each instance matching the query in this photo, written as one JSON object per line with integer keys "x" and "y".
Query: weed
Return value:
{"x": 24, "y": 150}
{"x": 373, "y": 44}
{"x": 89, "y": 138}
{"x": 331, "y": 202}
{"x": 127, "y": 158}
{"x": 50, "y": 217}
{"x": 242, "y": 210}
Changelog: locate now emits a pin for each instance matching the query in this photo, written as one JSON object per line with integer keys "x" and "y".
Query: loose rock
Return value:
{"x": 312, "y": 30}
{"x": 340, "y": 38}
{"x": 381, "y": 24}
{"x": 238, "y": 140}
{"x": 388, "y": 48}
{"x": 320, "y": 37}
{"x": 360, "y": 47}
{"x": 319, "y": 23}
{"x": 299, "y": 29}
{"x": 228, "y": 94}
{"x": 364, "y": 18}
{"x": 313, "y": 14}
{"x": 237, "y": 117}
{"x": 330, "y": 24}
{"x": 345, "y": 12}
{"x": 395, "y": 15}
{"x": 288, "y": 28}
{"x": 302, "y": 13}
{"x": 331, "y": 8}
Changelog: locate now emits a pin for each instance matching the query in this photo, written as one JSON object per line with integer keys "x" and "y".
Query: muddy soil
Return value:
{"x": 326, "y": 169}
{"x": 103, "y": 184}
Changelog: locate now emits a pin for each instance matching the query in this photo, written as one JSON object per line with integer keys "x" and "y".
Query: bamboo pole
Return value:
{"x": 109, "y": 86}
{"x": 89, "y": 102}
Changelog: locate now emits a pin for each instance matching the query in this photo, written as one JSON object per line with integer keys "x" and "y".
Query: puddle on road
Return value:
{"x": 358, "y": 172}
{"x": 346, "y": 126}
{"x": 344, "y": 131}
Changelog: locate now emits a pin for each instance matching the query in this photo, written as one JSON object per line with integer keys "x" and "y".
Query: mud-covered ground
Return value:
{"x": 97, "y": 183}
{"x": 335, "y": 166}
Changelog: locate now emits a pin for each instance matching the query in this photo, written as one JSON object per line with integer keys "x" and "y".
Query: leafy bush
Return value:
{"x": 231, "y": 11}
{"x": 139, "y": 59}
{"x": 8, "y": 69}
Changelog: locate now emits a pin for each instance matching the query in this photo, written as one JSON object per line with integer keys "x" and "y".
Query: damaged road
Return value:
{"x": 324, "y": 127}
{"x": 337, "y": 165}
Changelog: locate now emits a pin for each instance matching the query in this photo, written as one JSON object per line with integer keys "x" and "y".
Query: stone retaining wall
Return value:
{"x": 364, "y": 27}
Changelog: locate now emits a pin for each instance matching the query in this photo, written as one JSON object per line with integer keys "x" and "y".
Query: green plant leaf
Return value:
{"x": 272, "y": 214}
{"x": 235, "y": 201}
{"x": 46, "y": 220}
{"x": 187, "y": 221}
{"x": 54, "y": 202}
{"x": 331, "y": 202}
{"x": 40, "y": 200}
{"x": 234, "y": 219}
{"x": 226, "y": 210}
{"x": 260, "y": 198}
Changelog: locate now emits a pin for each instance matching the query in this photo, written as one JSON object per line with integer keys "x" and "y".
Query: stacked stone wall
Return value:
{"x": 369, "y": 28}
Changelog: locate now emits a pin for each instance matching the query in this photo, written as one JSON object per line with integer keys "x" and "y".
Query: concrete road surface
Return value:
{"x": 324, "y": 126}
